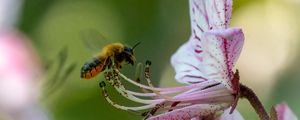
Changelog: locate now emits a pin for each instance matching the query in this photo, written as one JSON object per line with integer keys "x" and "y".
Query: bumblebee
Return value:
{"x": 116, "y": 53}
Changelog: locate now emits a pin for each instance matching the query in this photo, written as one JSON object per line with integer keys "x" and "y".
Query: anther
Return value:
{"x": 102, "y": 84}
{"x": 148, "y": 62}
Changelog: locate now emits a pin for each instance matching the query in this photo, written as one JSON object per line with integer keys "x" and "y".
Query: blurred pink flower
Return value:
{"x": 20, "y": 72}
{"x": 284, "y": 112}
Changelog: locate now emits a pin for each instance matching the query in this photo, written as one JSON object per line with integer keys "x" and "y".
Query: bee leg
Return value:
{"x": 118, "y": 65}
{"x": 115, "y": 64}
{"x": 109, "y": 63}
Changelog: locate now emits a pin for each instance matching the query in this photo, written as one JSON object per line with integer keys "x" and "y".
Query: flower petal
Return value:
{"x": 212, "y": 49}
{"x": 210, "y": 14}
{"x": 186, "y": 65}
{"x": 190, "y": 112}
{"x": 284, "y": 112}
{"x": 207, "y": 15}
{"x": 219, "y": 52}
{"x": 234, "y": 116}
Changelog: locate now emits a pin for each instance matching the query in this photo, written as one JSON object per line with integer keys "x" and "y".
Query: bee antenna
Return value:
{"x": 136, "y": 45}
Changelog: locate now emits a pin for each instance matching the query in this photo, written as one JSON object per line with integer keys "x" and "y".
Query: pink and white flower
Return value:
{"x": 213, "y": 48}
{"x": 205, "y": 63}
{"x": 211, "y": 51}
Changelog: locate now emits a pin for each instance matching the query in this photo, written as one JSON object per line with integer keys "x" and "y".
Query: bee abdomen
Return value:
{"x": 92, "y": 68}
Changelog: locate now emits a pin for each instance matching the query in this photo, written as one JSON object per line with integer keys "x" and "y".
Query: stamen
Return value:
{"x": 203, "y": 96}
{"x": 153, "y": 111}
{"x": 201, "y": 91}
{"x": 147, "y": 73}
{"x": 138, "y": 74}
{"x": 117, "y": 84}
{"x": 206, "y": 92}
{"x": 220, "y": 99}
{"x": 181, "y": 88}
{"x": 147, "y": 77}
{"x": 126, "y": 108}
{"x": 150, "y": 94}
{"x": 121, "y": 89}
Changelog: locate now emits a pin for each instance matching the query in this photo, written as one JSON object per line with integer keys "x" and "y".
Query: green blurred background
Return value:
{"x": 269, "y": 62}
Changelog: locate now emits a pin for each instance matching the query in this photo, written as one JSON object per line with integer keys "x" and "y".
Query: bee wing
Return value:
{"x": 61, "y": 72}
{"x": 105, "y": 62}
{"x": 94, "y": 40}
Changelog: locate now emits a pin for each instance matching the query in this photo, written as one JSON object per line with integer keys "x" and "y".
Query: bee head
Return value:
{"x": 129, "y": 53}
{"x": 129, "y": 57}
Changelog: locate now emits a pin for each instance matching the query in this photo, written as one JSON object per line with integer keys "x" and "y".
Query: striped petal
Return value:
{"x": 190, "y": 112}
{"x": 221, "y": 49}
{"x": 215, "y": 60}
{"x": 209, "y": 14}
{"x": 213, "y": 48}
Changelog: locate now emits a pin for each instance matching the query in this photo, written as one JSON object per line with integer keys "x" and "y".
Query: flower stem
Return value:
{"x": 247, "y": 93}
